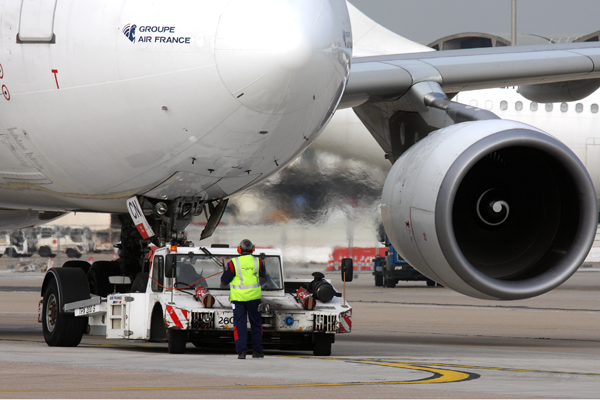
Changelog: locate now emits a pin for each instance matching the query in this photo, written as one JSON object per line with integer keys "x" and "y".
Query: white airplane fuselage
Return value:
{"x": 576, "y": 124}
{"x": 105, "y": 100}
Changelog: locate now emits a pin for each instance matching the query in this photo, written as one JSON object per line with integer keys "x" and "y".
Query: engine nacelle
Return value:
{"x": 492, "y": 209}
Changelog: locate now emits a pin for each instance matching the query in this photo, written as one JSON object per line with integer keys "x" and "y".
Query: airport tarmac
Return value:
{"x": 411, "y": 341}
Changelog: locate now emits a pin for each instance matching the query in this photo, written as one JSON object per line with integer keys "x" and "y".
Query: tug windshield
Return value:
{"x": 206, "y": 270}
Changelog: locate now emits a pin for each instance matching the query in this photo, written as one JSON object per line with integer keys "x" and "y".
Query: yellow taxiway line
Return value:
{"x": 439, "y": 375}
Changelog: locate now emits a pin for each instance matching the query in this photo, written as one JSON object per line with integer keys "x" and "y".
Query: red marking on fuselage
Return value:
{"x": 55, "y": 72}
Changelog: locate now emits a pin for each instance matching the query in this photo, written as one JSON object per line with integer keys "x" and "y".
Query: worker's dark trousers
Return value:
{"x": 240, "y": 330}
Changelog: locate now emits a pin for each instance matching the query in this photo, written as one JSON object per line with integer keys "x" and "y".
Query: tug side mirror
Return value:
{"x": 347, "y": 270}
{"x": 170, "y": 266}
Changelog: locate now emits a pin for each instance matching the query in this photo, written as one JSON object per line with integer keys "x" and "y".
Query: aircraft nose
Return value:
{"x": 278, "y": 56}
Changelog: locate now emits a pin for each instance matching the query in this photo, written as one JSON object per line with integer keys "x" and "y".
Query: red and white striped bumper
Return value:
{"x": 346, "y": 322}
{"x": 177, "y": 318}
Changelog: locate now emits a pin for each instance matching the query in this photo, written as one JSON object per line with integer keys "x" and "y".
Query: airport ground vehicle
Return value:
{"x": 102, "y": 241}
{"x": 391, "y": 268}
{"x": 180, "y": 298}
{"x": 16, "y": 244}
{"x": 53, "y": 240}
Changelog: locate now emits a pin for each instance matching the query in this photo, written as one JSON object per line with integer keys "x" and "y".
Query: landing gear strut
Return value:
{"x": 168, "y": 220}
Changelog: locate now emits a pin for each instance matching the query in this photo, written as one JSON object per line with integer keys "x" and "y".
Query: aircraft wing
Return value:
{"x": 491, "y": 208}
{"x": 391, "y": 76}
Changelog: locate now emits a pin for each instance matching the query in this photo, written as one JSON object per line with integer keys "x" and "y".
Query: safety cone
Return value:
{"x": 91, "y": 259}
{"x": 365, "y": 266}
{"x": 50, "y": 263}
{"x": 330, "y": 263}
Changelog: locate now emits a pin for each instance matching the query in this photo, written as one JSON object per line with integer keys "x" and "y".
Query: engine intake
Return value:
{"x": 492, "y": 209}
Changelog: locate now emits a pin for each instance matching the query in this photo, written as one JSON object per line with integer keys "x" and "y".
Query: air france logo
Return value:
{"x": 161, "y": 34}
{"x": 129, "y": 32}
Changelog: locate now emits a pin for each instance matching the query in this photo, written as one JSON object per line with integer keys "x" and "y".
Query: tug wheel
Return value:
{"x": 322, "y": 345}
{"x": 177, "y": 341}
{"x": 60, "y": 329}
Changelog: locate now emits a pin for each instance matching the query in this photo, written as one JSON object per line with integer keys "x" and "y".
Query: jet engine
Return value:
{"x": 492, "y": 209}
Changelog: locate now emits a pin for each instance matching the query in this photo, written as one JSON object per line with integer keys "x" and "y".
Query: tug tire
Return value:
{"x": 177, "y": 341}
{"x": 62, "y": 330}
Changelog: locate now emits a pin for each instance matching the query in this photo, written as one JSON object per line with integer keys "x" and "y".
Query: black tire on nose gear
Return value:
{"x": 83, "y": 265}
{"x": 177, "y": 341}
{"x": 98, "y": 277}
{"x": 63, "y": 330}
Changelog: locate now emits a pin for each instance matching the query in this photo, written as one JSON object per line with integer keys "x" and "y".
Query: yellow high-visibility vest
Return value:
{"x": 245, "y": 285}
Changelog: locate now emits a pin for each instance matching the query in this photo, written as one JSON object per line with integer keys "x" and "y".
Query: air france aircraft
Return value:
{"x": 164, "y": 110}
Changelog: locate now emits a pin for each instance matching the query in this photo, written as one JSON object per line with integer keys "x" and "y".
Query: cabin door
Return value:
{"x": 36, "y": 24}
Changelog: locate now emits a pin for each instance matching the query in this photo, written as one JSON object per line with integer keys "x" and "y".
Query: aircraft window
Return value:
{"x": 534, "y": 106}
{"x": 594, "y": 108}
{"x": 474, "y": 103}
{"x": 504, "y": 105}
{"x": 518, "y": 105}
{"x": 579, "y": 107}
{"x": 564, "y": 107}
{"x": 489, "y": 105}
{"x": 549, "y": 107}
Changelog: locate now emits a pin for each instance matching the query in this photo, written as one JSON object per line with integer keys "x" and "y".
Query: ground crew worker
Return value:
{"x": 243, "y": 273}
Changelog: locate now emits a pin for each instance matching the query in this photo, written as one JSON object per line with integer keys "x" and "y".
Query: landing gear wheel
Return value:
{"x": 378, "y": 280}
{"x": 322, "y": 345}
{"x": 140, "y": 283}
{"x": 84, "y": 265}
{"x": 62, "y": 330}
{"x": 98, "y": 277}
{"x": 177, "y": 341}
